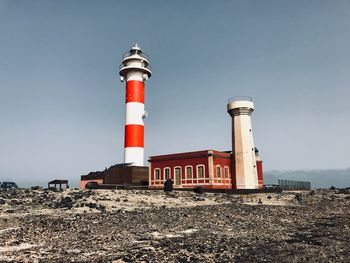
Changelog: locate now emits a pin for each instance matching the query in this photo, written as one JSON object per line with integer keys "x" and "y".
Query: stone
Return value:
{"x": 298, "y": 197}
{"x": 91, "y": 205}
{"x": 198, "y": 190}
{"x": 175, "y": 229}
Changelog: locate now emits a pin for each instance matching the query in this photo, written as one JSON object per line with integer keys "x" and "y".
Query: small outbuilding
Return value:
{"x": 118, "y": 174}
{"x": 58, "y": 182}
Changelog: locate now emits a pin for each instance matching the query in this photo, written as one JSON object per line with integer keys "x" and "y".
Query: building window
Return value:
{"x": 218, "y": 171}
{"x": 177, "y": 171}
{"x": 177, "y": 175}
{"x": 157, "y": 174}
{"x": 166, "y": 173}
{"x": 227, "y": 172}
{"x": 200, "y": 171}
{"x": 189, "y": 172}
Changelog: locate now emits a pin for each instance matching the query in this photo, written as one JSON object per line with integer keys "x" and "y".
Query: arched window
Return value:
{"x": 218, "y": 171}
{"x": 177, "y": 175}
{"x": 167, "y": 174}
{"x": 189, "y": 172}
{"x": 157, "y": 174}
{"x": 200, "y": 171}
{"x": 227, "y": 172}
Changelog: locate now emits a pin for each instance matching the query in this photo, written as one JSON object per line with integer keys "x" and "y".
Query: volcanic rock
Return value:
{"x": 173, "y": 227}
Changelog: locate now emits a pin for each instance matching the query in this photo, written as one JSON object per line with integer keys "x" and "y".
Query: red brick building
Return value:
{"x": 208, "y": 169}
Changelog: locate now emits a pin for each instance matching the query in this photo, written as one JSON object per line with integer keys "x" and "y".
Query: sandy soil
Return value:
{"x": 152, "y": 226}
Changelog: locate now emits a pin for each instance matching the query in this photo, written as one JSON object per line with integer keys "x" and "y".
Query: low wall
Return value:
{"x": 84, "y": 182}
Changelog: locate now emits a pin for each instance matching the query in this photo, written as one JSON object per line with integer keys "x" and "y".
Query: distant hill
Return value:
{"x": 318, "y": 178}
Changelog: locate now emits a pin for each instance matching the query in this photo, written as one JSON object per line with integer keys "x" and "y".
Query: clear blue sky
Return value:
{"x": 62, "y": 105}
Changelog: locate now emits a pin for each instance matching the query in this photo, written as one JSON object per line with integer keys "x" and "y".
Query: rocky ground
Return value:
{"x": 150, "y": 226}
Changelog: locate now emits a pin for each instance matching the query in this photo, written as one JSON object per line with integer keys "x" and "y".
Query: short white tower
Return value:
{"x": 243, "y": 150}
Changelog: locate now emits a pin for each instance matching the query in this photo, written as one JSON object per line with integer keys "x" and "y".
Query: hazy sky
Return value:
{"x": 62, "y": 104}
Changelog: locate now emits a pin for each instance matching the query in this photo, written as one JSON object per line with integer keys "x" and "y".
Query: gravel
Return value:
{"x": 90, "y": 226}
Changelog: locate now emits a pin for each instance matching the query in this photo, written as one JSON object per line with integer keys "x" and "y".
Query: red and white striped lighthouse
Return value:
{"x": 135, "y": 70}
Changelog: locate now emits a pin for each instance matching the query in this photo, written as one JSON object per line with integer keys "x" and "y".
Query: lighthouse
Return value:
{"x": 134, "y": 70}
{"x": 243, "y": 150}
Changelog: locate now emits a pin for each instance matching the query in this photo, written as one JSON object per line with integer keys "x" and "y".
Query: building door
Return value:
{"x": 177, "y": 176}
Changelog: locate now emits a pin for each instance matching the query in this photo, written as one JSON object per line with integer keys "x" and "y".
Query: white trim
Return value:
{"x": 211, "y": 165}
{"x": 195, "y": 184}
{"x": 218, "y": 179}
{"x": 155, "y": 174}
{"x": 149, "y": 175}
{"x": 197, "y": 177}
{"x": 186, "y": 175}
{"x": 165, "y": 168}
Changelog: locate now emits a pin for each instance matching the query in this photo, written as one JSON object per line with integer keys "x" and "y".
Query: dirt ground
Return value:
{"x": 152, "y": 226}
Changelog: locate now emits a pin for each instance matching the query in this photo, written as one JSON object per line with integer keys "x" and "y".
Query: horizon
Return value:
{"x": 62, "y": 104}
{"x": 319, "y": 178}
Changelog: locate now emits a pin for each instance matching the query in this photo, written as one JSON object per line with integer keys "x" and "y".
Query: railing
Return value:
{"x": 144, "y": 66}
{"x": 238, "y": 98}
{"x": 128, "y": 54}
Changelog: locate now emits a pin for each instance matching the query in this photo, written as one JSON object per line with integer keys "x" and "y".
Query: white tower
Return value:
{"x": 135, "y": 70}
{"x": 243, "y": 150}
